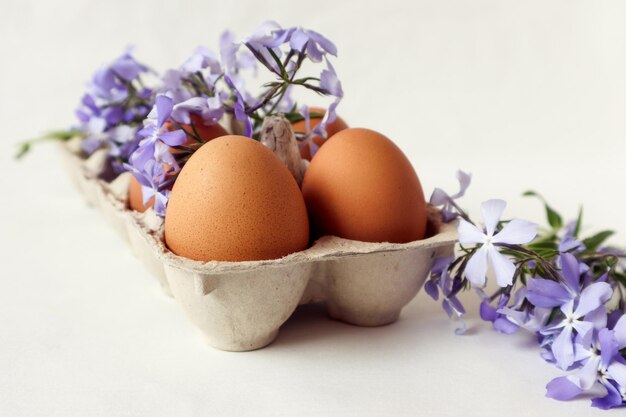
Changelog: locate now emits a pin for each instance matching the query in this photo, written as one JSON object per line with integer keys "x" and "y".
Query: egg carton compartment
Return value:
{"x": 240, "y": 306}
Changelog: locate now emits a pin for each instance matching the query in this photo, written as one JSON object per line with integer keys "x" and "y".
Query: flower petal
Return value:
{"x": 593, "y": 297}
{"x": 476, "y": 268}
{"x": 584, "y": 330}
{"x": 502, "y": 266}
{"x": 431, "y": 289}
{"x": 492, "y": 211}
{"x": 620, "y": 331}
{"x": 468, "y": 233}
{"x": 608, "y": 346}
{"x": 562, "y": 389}
{"x": 617, "y": 371}
{"x": 438, "y": 197}
{"x": 164, "y": 106}
{"x": 597, "y": 317}
{"x": 563, "y": 348}
{"x": 588, "y": 373}
{"x": 546, "y": 293}
{"x": 488, "y": 312}
{"x": 570, "y": 270}
{"x": 516, "y": 232}
{"x": 464, "y": 181}
{"x": 504, "y": 326}
{"x": 174, "y": 138}
{"x": 613, "y": 398}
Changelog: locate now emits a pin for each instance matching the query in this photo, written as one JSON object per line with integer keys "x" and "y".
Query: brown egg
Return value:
{"x": 207, "y": 133}
{"x": 361, "y": 186}
{"x": 300, "y": 127}
{"x": 235, "y": 200}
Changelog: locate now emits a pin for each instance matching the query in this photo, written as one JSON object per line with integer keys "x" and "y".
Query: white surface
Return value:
{"x": 523, "y": 94}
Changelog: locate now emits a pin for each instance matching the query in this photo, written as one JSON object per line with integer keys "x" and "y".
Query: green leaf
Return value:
{"x": 579, "y": 221}
{"x": 22, "y": 150}
{"x": 554, "y": 219}
{"x": 542, "y": 245}
{"x": 592, "y": 243}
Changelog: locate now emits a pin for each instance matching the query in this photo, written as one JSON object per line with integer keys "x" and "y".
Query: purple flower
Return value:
{"x": 507, "y": 319}
{"x": 127, "y": 67}
{"x": 568, "y": 242}
{"x": 239, "y": 108}
{"x": 312, "y": 43}
{"x": 583, "y": 310}
{"x": 440, "y": 281}
{"x": 320, "y": 128}
{"x": 602, "y": 368}
{"x": 209, "y": 109}
{"x": 202, "y": 58}
{"x": 233, "y": 59}
{"x": 329, "y": 81}
{"x": 173, "y": 86}
{"x": 441, "y": 198}
{"x": 114, "y": 98}
{"x": 514, "y": 232}
{"x": 153, "y": 180}
{"x": 267, "y": 37}
{"x": 155, "y": 135}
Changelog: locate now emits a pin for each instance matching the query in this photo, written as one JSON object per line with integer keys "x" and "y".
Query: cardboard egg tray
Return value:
{"x": 240, "y": 306}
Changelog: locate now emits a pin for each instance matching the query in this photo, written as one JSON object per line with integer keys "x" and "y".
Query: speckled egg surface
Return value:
{"x": 234, "y": 200}
{"x": 361, "y": 186}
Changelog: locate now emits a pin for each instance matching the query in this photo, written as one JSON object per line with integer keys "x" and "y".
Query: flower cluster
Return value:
{"x": 207, "y": 87}
{"x": 152, "y": 132}
{"x": 568, "y": 291}
{"x": 283, "y": 52}
{"x": 113, "y": 109}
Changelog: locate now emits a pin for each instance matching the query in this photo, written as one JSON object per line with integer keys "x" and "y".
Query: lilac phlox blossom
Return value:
{"x": 441, "y": 281}
{"x": 601, "y": 368}
{"x": 515, "y": 232}
{"x": 210, "y": 110}
{"x": 127, "y": 67}
{"x": 267, "y": 37}
{"x": 95, "y": 135}
{"x": 270, "y": 37}
{"x": 312, "y": 43}
{"x": 239, "y": 107}
{"x": 507, "y": 318}
{"x": 122, "y": 135}
{"x": 330, "y": 82}
{"x": 582, "y": 310}
{"x": 306, "y": 138}
{"x": 173, "y": 86}
{"x": 153, "y": 180}
{"x": 233, "y": 59}
{"x": 569, "y": 243}
{"x": 107, "y": 103}
{"x": 202, "y": 58}
{"x": 440, "y": 198}
{"x": 154, "y": 135}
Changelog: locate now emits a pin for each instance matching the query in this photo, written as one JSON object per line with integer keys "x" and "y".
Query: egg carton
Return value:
{"x": 240, "y": 306}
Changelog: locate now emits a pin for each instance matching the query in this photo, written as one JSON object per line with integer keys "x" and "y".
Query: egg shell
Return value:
{"x": 300, "y": 127}
{"x": 207, "y": 133}
{"x": 234, "y": 200}
{"x": 361, "y": 186}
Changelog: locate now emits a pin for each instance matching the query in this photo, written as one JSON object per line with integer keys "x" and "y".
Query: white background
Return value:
{"x": 525, "y": 95}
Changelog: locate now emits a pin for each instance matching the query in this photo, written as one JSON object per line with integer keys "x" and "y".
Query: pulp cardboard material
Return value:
{"x": 240, "y": 306}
